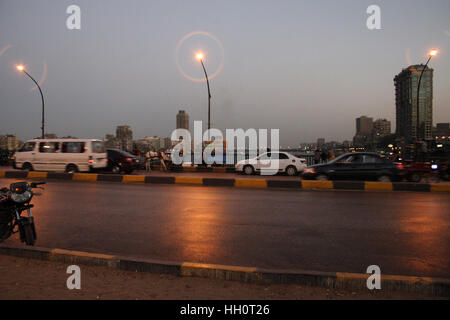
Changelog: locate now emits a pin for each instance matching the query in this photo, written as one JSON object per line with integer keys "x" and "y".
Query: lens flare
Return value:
{"x": 432, "y": 52}
{"x": 3, "y": 50}
{"x": 196, "y": 54}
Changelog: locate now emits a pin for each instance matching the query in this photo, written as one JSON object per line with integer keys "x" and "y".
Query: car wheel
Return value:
{"x": 248, "y": 170}
{"x": 27, "y": 166}
{"x": 384, "y": 178}
{"x": 116, "y": 169}
{"x": 415, "y": 177}
{"x": 71, "y": 168}
{"x": 291, "y": 171}
{"x": 322, "y": 177}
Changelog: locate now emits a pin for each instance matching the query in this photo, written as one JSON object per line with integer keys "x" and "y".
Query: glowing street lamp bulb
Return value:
{"x": 433, "y": 52}
{"x": 20, "y": 67}
{"x": 199, "y": 56}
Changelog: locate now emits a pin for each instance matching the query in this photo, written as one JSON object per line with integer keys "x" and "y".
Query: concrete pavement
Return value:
{"x": 339, "y": 231}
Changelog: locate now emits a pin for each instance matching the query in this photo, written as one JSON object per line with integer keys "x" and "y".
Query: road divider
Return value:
{"x": 262, "y": 183}
{"x": 336, "y": 280}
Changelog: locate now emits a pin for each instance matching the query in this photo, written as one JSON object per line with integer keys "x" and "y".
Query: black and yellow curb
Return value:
{"x": 235, "y": 182}
{"x": 337, "y": 280}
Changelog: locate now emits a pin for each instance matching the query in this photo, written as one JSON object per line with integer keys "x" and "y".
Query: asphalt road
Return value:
{"x": 404, "y": 233}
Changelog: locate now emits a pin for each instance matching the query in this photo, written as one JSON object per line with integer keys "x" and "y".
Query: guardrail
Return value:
{"x": 235, "y": 182}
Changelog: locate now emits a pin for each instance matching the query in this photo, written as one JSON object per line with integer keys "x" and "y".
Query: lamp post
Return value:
{"x": 431, "y": 54}
{"x": 200, "y": 57}
{"x": 22, "y": 68}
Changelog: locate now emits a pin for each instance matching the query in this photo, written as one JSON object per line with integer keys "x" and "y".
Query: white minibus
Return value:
{"x": 67, "y": 155}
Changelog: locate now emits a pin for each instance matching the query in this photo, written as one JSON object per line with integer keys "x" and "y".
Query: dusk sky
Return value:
{"x": 308, "y": 68}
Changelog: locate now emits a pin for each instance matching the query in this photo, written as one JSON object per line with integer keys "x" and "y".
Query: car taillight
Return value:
{"x": 90, "y": 159}
{"x": 400, "y": 165}
{"x": 128, "y": 159}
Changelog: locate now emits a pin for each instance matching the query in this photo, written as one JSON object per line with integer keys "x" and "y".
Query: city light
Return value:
{"x": 199, "y": 56}
{"x": 432, "y": 52}
{"x": 20, "y": 67}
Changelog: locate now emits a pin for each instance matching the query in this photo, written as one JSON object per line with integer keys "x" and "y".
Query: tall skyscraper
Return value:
{"x": 364, "y": 127}
{"x": 381, "y": 127}
{"x": 125, "y": 137}
{"x": 406, "y": 83}
{"x": 182, "y": 120}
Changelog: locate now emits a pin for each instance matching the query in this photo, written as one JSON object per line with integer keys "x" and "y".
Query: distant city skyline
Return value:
{"x": 306, "y": 68}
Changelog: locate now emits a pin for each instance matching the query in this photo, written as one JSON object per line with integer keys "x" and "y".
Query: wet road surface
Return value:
{"x": 403, "y": 232}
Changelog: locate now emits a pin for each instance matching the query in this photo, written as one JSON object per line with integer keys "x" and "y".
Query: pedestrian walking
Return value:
{"x": 148, "y": 162}
{"x": 162, "y": 160}
{"x": 331, "y": 155}
{"x": 316, "y": 156}
{"x": 324, "y": 156}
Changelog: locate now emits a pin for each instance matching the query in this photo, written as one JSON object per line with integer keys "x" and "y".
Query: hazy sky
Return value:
{"x": 308, "y": 68}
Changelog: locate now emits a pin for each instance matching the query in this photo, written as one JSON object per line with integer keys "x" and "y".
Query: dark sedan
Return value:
{"x": 120, "y": 161}
{"x": 356, "y": 166}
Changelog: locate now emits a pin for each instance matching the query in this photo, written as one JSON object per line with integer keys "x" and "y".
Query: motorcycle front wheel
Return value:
{"x": 28, "y": 234}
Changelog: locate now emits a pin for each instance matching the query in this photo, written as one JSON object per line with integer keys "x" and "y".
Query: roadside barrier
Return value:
{"x": 235, "y": 182}
{"x": 337, "y": 280}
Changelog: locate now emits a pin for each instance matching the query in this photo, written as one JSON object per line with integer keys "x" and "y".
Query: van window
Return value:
{"x": 98, "y": 147}
{"x": 48, "y": 147}
{"x": 72, "y": 147}
{"x": 27, "y": 147}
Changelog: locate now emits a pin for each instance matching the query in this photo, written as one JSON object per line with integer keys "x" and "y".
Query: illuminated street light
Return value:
{"x": 432, "y": 53}
{"x": 22, "y": 69}
{"x": 200, "y": 56}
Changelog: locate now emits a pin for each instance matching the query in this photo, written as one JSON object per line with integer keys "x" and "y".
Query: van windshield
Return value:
{"x": 28, "y": 146}
{"x": 98, "y": 147}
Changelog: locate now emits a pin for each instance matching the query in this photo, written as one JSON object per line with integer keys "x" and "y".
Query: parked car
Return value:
{"x": 121, "y": 161}
{"x": 68, "y": 155}
{"x": 272, "y": 163}
{"x": 356, "y": 166}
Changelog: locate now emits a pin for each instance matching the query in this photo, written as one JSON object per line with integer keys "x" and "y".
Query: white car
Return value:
{"x": 270, "y": 163}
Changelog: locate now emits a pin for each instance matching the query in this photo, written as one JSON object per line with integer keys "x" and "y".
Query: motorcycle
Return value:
{"x": 13, "y": 202}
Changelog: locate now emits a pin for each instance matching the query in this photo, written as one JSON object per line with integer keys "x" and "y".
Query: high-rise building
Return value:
{"x": 182, "y": 120}
{"x": 381, "y": 127}
{"x": 9, "y": 142}
{"x": 125, "y": 137}
{"x": 364, "y": 128}
{"x": 111, "y": 142}
{"x": 364, "y": 125}
{"x": 320, "y": 142}
{"x": 406, "y": 83}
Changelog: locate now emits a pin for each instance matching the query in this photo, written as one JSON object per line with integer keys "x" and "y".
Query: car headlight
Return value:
{"x": 309, "y": 170}
{"x": 21, "y": 197}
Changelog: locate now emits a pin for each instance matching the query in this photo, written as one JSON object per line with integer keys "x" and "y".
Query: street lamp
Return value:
{"x": 22, "y": 69}
{"x": 200, "y": 57}
{"x": 431, "y": 54}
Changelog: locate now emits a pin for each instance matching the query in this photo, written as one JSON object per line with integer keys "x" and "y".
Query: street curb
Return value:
{"x": 235, "y": 182}
{"x": 337, "y": 280}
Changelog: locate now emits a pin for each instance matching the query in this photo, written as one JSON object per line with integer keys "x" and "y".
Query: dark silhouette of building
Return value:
{"x": 406, "y": 83}
{"x": 124, "y": 135}
{"x": 182, "y": 120}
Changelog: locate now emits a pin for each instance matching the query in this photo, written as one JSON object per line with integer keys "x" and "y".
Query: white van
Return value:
{"x": 67, "y": 155}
